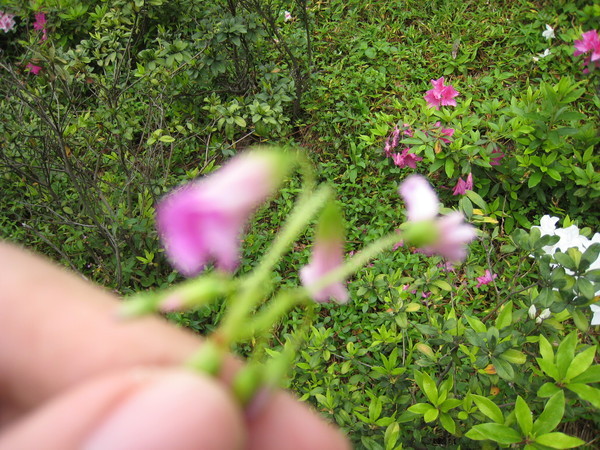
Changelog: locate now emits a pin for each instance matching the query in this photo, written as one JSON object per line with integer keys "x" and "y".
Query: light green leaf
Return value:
{"x": 505, "y": 316}
{"x": 559, "y": 440}
{"x": 581, "y": 363}
{"x": 547, "y": 390}
{"x": 488, "y": 408}
{"x": 591, "y": 375}
{"x": 495, "y": 432}
{"x": 420, "y": 408}
{"x": 431, "y": 415}
{"x": 448, "y": 423}
{"x": 565, "y": 354}
{"x": 586, "y": 393}
{"x": 514, "y": 356}
{"x": 166, "y": 138}
{"x": 550, "y": 417}
{"x": 524, "y": 416}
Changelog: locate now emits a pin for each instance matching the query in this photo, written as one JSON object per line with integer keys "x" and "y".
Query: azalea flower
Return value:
{"x": 441, "y": 95}
{"x": 452, "y": 233}
{"x": 549, "y": 33}
{"x": 7, "y": 21}
{"x": 444, "y": 132}
{"x": 487, "y": 278}
{"x": 392, "y": 142}
{"x": 463, "y": 186}
{"x": 287, "y": 16}
{"x": 327, "y": 255}
{"x": 406, "y": 159}
{"x": 202, "y": 221}
{"x": 33, "y": 68}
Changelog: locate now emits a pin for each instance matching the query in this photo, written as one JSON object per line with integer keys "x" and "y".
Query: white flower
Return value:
{"x": 542, "y": 55}
{"x": 549, "y": 33}
{"x": 596, "y": 318}
{"x": 532, "y": 312}
{"x": 287, "y": 16}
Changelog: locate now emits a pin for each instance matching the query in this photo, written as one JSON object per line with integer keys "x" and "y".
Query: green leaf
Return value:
{"x": 514, "y": 356}
{"x": 450, "y": 404}
{"x": 476, "y": 198}
{"x": 430, "y": 389}
{"x": 448, "y": 423}
{"x": 488, "y": 408}
{"x": 420, "y": 408}
{"x": 534, "y": 179}
{"x": 546, "y": 350}
{"x": 495, "y": 432}
{"x": 559, "y": 440}
{"x": 565, "y": 260}
{"x": 431, "y": 415}
{"x": 548, "y": 390}
{"x": 565, "y": 354}
{"x": 553, "y": 412}
{"x": 504, "y": 318}
{"x": 581, "y": 363}
{"x": 586, "y": 393}
{"x": 391, "y": 435}
{"x": 591, "y": 375}
{"x": 524, "y": 416}
{"x": 449, "y": 167}
{"x": 166, "y": 138}
{"x": 503, "y": 369}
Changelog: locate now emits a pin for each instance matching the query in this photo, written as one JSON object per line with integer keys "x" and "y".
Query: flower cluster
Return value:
{"x": 441, "y": 94}
{"x": 40, "y": 25}
{"x": 7, "y": 21}
{"x": 487, "y": 278}
{"x": 589, "y": 43}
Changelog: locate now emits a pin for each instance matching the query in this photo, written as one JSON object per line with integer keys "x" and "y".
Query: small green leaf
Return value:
{"x": 495, "y": 432}
{"x": 559, "y": 440}
{"x": 505, "y": 316}
{"x": 431, "y": 415}
{"x": 553, "y": 412}
{"x": 430, "y": 389}
{"x": 547, "y": 390}
{"x": 514, "y": 356}
{"x": 166, "y": 138}
{"x": 420, "y": 408}
{"x": 488, "y": 408}
{"x": 503, "y": 369}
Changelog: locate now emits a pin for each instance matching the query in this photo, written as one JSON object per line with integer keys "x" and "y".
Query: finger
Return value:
{"x": 136, "y": 409}
{"x": 57, "y": 331}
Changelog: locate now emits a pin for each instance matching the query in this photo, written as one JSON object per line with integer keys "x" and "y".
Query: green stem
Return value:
{"x": 253, "y": 288}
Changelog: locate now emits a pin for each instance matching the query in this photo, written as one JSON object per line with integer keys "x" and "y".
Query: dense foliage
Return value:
{"x": 106, "y": 105}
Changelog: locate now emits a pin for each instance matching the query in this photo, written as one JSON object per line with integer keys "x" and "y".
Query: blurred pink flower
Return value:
{"x": 441, "y": 95}
{"x": 7, "y": 21}
{"x": 202, "y": 221}
{"x": 406, "y": 159}
{"x": 495, "y": 161}
{"x": 33, "y": 68}
{"x": 40, "y": 21}
{"x": 327, "y": 255}
{"x": 422, "y": 204}
{"x": 590, "y": 43}
{"x": 487, "y": 278}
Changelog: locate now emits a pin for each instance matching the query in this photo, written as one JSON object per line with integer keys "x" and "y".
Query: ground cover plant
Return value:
{"x": 107, "y": 106}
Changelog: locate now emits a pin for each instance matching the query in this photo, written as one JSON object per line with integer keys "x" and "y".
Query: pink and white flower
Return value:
{"x": 441, "y": 94}
{"x": 202, "y": 221}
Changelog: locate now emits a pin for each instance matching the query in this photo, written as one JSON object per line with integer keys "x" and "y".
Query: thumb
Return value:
{"x": 137, "y": 409}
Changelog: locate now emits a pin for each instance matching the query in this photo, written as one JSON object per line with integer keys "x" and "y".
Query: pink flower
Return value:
{"x": 463, "y": 186}
{"x": 495, "y": 161}
{"x": 7, "y": 22}
{"x": 487, "y": 278}
{"x": 590, "y": 43}
{"x": 327, "y": 255}
{"x": 202, "y": 221}
{"x": 33, "y": 68}
{"x": 392, "y": 142}
{"x": 440, "y": 95}
{"x": 406, "y": 159}
{"x": 40, "y": 22}
{"x": 453, "y": 234}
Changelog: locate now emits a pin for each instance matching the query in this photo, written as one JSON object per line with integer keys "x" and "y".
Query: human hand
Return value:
{"x": 72, "y": 376}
